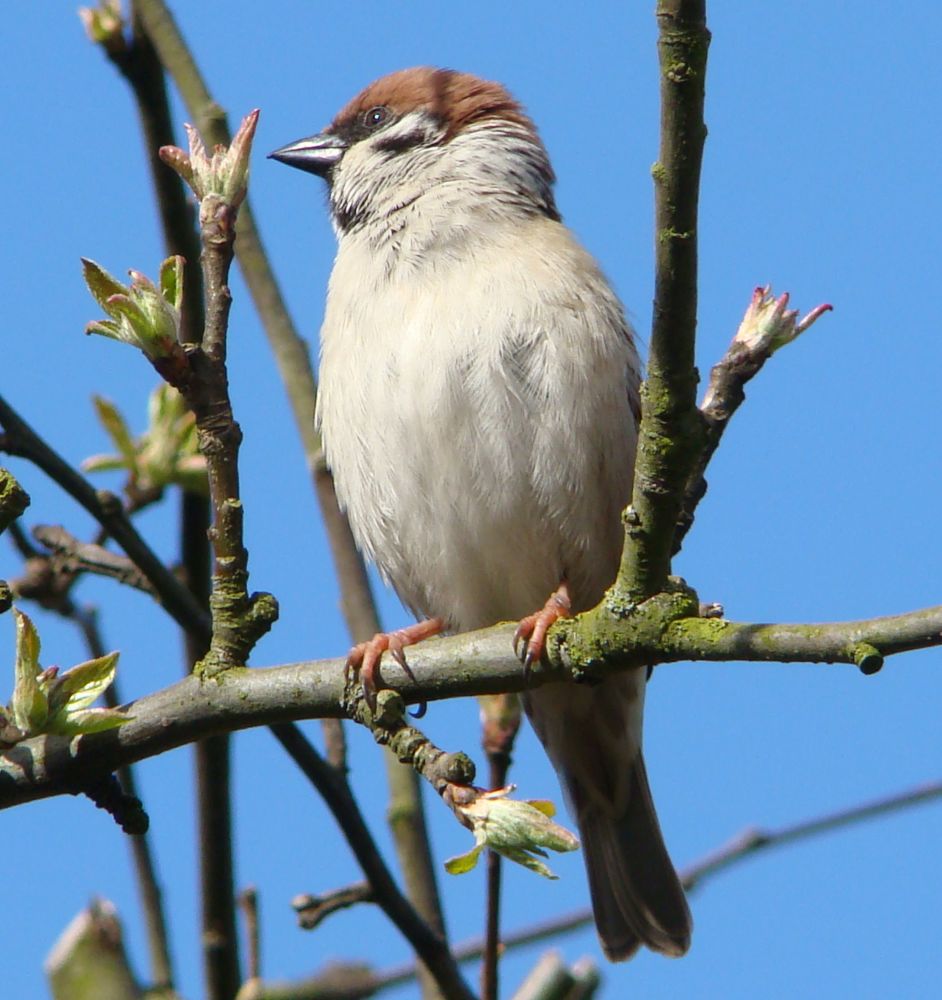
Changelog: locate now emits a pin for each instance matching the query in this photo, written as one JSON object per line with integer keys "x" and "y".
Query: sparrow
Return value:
{"x": 479, "y": 404}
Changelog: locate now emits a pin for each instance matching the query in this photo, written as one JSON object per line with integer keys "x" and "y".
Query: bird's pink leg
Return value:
{"x": 364, "y": 658}
{"x": 533, "y": 628}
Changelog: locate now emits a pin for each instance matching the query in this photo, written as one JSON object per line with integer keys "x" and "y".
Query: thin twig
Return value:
{"x": 248, "y": 902}
{"x": 500, "y": 722}
{"x": 219, "y": 937}
{"x": 429, "y": 946}
{"x": 754, "y": 839}
{"x": 312, "y": 910}
{"x": 138, "y": 62}
{"x": 145, "y": 872}
{"x": 738, "y": 849}
{"x": 493, "y": 946}
{"x": 21, "y": 440}
{"x": 73, "y": 556}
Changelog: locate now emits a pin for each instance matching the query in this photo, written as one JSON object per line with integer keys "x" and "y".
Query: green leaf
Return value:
{"x": 521, "y": 857}
{"x": 115, "y": 426}
{"x": 171, "y": 280}
{"x": 103, "y": 463}
{"x": 124, "y": 307}
{"x": 29, "y": 705}
{"x": 463, "y": 863}
{"x": 100, "y": 283}
{"x": 77, "y": 688}
{"x": 89, "y": 720}
{"x": 106, "y": 328}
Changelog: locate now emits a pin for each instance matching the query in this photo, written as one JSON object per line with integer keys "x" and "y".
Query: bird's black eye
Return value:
{"x": 376, "y": 117}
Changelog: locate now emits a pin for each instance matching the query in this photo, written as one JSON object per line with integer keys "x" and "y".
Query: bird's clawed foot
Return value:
{"x": 364, "y": 658}
{"x": 532, "y": 630}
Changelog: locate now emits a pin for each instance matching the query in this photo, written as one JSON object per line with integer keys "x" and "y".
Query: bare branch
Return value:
{"x": 755, "y": 839}
{"x": 738, "y": 849}
{"x": 20, "y": 439}
{"x": 431, "y": 948}
{"x": 475, "y": 663}
{"x": 311, "y": 910}
{"x": 248, "y": 902}
{"x": 75, "y": 556}
{"x": 671, "y": 426}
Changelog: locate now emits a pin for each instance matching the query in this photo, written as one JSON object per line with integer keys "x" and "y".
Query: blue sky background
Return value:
{"x": 822, "y": 177}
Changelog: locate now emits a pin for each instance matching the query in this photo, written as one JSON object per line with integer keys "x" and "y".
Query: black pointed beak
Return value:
{"x": 317, "y": 154}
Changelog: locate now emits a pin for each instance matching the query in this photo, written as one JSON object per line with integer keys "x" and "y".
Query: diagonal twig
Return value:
{"x": 767, "y": 326}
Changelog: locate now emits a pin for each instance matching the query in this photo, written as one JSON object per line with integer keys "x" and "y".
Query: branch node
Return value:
{"x": 868, "y": 659}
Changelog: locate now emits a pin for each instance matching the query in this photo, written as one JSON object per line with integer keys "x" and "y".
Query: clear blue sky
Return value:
{"x": 822, "y": 177}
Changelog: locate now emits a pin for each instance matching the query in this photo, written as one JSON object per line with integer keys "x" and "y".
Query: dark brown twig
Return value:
{"x": 311, "y": 909}
{"x": 501, "y": 717}
{"x": 73, "y": 556}
{"x": 145, "y": 871}
{"x": 431, "y": 949}
{"x": 248, "y": 903}
{"x": 20, "y": 439}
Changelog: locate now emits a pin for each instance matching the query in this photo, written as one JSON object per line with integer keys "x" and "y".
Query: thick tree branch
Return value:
{"x": 671, "y": 427}
{"x": 475, "y": 663}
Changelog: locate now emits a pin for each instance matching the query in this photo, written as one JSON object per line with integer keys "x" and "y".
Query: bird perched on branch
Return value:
{"x": 479, "y": 406}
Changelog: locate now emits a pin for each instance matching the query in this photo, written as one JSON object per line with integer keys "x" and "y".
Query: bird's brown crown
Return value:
{"x": 458, "y": 99}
